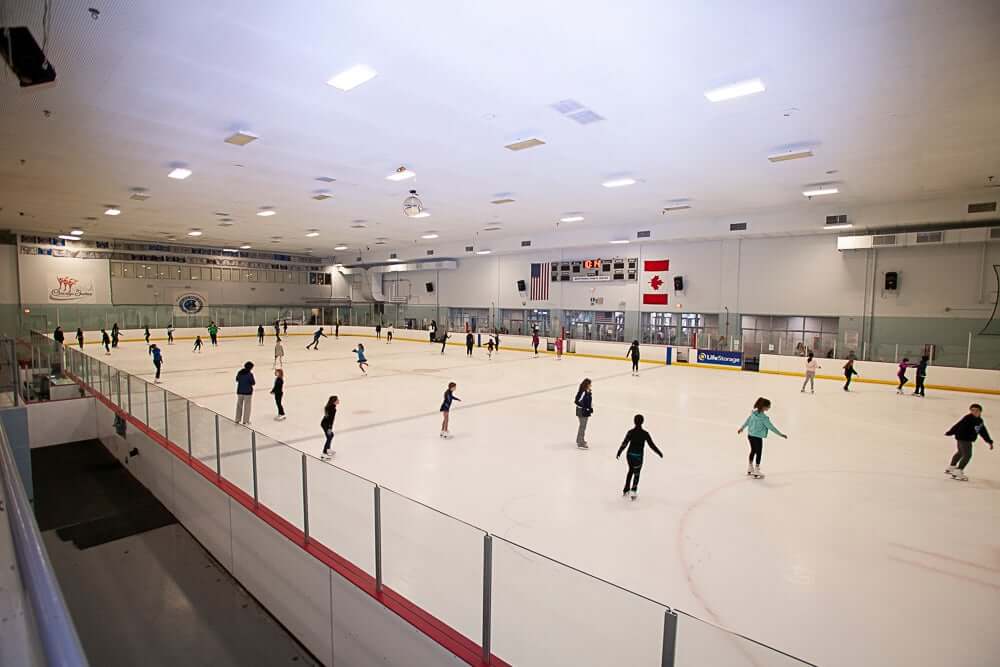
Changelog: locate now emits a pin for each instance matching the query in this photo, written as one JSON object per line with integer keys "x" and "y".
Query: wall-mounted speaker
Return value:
{"x": 521, "y": 286}
{"x": 891, "y": 281}
{"x": 429, "y": 287}
{"x": 678, "y": 283}
{"x": 25, "y": 57}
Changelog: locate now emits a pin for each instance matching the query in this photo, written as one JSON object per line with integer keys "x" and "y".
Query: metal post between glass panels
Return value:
{"x": 669, "y": 638}
{"x": 487, "y": 596}
{"x": 188, "y": 406}
{"x": 253, "y": 462}
{"x": 166, "y": 416}
{"x": 218, "y": 450}
{"x": 128, "y": 387}
{"x": 118, "y": 376}
{"x": 145, "y": 389}
{"x": 305, "y": 502}
{"x": 378, "y": 541}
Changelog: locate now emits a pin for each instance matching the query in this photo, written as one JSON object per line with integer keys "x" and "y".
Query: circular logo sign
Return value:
{"x": 701, "y": 356}
{"x": 191, "y": 303}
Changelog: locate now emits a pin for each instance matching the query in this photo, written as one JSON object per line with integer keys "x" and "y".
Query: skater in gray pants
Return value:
{"x": 584, "y": 409}
{"x": 244, "y": 393}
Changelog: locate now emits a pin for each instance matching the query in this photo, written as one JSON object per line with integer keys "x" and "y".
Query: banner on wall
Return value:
{"x": 70, "y": 288}
{"x": 720, "y": 357}
{"x": 654, "y": 282}
{"x": 190, "y": 303}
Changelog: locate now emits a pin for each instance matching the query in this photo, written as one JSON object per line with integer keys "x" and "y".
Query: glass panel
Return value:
{"x": 119, "y": 388}
{"x": 234, "y": 444}
{"x": 157, "y": 416}
{"x": 342, "y": 513}
{"x": 203, "y": 435}
{"x": 433, "y": 560}
{"x": 177, "y": 427}
{"x": 137, "y": 408}
{"x": 700, "y": 643}
{"x": 116, "y": 269}
{"x": 279, "y": 479}
{"x": 578, "y": 620}
{"x": 195, "y": 273}
{"x": 128, "y": 270}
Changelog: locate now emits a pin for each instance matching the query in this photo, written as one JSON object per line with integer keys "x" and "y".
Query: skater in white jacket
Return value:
{"x": 811, "y": 366}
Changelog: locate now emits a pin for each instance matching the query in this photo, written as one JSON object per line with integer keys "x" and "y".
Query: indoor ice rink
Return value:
{"x": 791, "y": 201}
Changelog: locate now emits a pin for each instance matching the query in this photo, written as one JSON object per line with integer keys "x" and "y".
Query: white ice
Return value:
{"x": 856, "y": 549}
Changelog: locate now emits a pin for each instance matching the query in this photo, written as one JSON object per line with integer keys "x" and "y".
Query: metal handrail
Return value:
{"x": 53, "y": 622}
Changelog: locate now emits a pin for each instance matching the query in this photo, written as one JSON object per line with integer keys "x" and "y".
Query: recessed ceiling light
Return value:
{"x": 531, "y": 142}
{"x": 275, "y": 240}
{"x": 492, "y": 228}
{"x": 429, "y": 235}
{"x": 423, "y": 214}
{"x": 820, "y": 191}
{"x": 312, "y": 234}
{"x": 352, "y": 78}
{"x": 266, "y": 211}
{"x": 790, "y": 155}
{"x": 245, "y": 246}
{"x": 76, "y": 232}
{"x": 195, "y": 232}
{"x": 67, "y": 237}
{"x": 230, "y": 250}
{"x": 845, "y": 225}
{"x": 401, "y": 174}
{"x": 112, "y": 210}
{"x": 326, "y": 179}
{"x": 322, "y": 196}
{"x": 483, "y": 252}
{"x": 620, "y": 242}
{"x": 179, "y": 173}
{"x": 502, "y": 200}
{"x": 139, "y": 194}
{"x": 571, "y": 218}
{"x": 618, "y": 182}
{"x": 394, "y": 259}
{"x": 225, "y": 224}
{"x": 735, "y": 90}
{"x": 241, "y": 138}
{"x": 340, "y": 247}
{"x": 90, "y": 218}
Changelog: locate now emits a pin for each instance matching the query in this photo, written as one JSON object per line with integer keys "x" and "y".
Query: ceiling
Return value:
{"x": 898, "y": 98}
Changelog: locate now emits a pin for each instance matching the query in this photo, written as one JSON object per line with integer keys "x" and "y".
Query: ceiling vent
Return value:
{"x": 790, "y": 155}
{"x": 525, "y": 244}
{"x": 241, "y": 138}
{"x": 983, "y": 207}
{"x": 468, "y": 248}
{"x": 738, "y": 227}
{"x": 836, "y": 219}
{"x": 525, "y": 144}
{"x": 325, "y": 179}
{"x": 586, "y": 117}
{"x": 930, "y": 237}
{"x": 139, "y": 195}
{"x": 503, "y": 200}
{"x": 884, "y": 240}
{"x": 322, "y": 196}
{"x": 676, "y": 205}
{"x": 430, "y": 252}
{"x": 492, "y": 228}
{"x": 644, "y": 235}
{"x": 576, "y": 111}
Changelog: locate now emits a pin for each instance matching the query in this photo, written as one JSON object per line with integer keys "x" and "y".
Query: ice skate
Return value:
{"x": 950, "y": 470}
{"x": 749, "y": 469}
{"x": 959, "y": 475}
{"x": 633, "y": 494}
{"x": 757, "y": 474}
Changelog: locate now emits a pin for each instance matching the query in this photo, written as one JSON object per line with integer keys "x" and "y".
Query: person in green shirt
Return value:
{"x": 213, "y": 333}
{"x": 757, "y": 426}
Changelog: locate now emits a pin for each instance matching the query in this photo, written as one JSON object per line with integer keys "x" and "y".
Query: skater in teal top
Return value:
{"x": 757, "y": 425}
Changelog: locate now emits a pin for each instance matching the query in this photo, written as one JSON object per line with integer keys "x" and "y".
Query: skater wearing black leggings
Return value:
{"x": 901, "y": 374}
{"x": 444, "y": 340}
{"x": 470, "y": 340}
{"x": 849, "y": 373}
{"x": 105, "y": 341}
{"x": 921, "y": 375}
{"x": 966, "y": 431}
{"x": 329, "y": 414}
{"x": 633, "y": 351}
{"x": 146, "y": 336}
{"x": 636, "y": 440}
{"x": 757, "y": 426}
{"x": 260, "y": 334}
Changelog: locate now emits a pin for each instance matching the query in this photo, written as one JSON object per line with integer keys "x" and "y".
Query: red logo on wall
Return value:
{"x": 656, "y": 283}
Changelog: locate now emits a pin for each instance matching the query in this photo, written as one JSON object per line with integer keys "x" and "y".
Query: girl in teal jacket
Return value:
{"x": 757, "y": 425}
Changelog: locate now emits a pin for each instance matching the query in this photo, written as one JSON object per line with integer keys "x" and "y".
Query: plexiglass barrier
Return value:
{"x": 508, "y": 600}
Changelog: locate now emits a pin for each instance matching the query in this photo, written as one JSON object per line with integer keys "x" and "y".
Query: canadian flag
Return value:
{"x": 655, "y": 282}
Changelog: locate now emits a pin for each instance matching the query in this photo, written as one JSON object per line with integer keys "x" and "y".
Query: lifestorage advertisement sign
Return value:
{"x": 720, "y": 358}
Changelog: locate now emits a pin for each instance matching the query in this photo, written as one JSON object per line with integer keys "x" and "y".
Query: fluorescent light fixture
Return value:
{"x": 113, "y": 210}
{"x": 394, "y": 259}
{"x": 735, "y": 90}
{"x": 423, "y": 214}
{"x": 620, "y": 242}
{"x": 618, "y": 182}
{"x": 67, "y": 237}
{"x": 230, "y": 250}
{"x": 266, "y": 212}
{"x": 524, "y": 144}
{"x": 791, "y": 155}
{"x": 139, "y": 195}
{"x": 401, "y": 174}
{"x": 502, "y": 200}
{"x": 241, "y": 138}
{"x": 352, "y": 78}
{"x": 76, "y": 232}
{"x": 340, "y": 247}
{"x": 312, "y": 234}
{"x": 195, "y": 232}
{"x": 179, "y": 173}
{"x": 845, "y": 225}
{"x": 429, "y": 235}
{"x": 820, "y": 191}
{"x": 571, "y": 218}
{"x": 483, "y": 252}
{"x": 245, "y": 246}
{"x": 675, "y": 207}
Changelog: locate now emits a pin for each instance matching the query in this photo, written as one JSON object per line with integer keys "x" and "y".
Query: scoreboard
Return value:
{"x": 596, "y": 270}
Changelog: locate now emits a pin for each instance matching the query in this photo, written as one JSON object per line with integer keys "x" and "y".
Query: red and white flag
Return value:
{"x": 654, "y": 292}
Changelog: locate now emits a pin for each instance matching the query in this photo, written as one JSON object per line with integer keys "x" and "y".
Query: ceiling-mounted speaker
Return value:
{"x": 678, "y": 283}
{"x": 891, "y": 281}
{"x": 429, "y": 287}
{"x": 25, "y": 57}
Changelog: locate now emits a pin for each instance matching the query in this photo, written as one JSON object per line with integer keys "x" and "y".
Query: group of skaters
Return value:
{"x": 812, "y": 365}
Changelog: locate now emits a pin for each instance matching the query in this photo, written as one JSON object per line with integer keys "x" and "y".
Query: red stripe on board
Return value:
{"x": 656, "y": 265}
{"x": 654, "y": 299}
{"x": 438, "y": 631}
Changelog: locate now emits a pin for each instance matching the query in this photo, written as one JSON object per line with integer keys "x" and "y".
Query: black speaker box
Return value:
{"x": 521, "y": 287}
{"x": 891, "y": 281}
{"x": 25, "y": 57}
{"x": 429, "y": 287}
{"x": 678, "y": 283}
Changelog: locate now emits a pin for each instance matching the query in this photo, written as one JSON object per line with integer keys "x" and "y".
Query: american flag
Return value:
{"x": 604, "y": 317}
{"x": 540, "y": 281}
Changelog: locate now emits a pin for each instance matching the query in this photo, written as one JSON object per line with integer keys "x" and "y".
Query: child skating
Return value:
{"x": 388, "y": 334}
{"x": 106, "y": 342}
{"x": 921, "y": 376}
{"x": 279, "y": 354}
{"x": 449, "y": 396}
{"x": 559, "y": 347}
{"x": 470, "y": 342}
{"x": 849, "y": 373}
{"x": 170, "y": 334}
{"x": 329, "y": 414}
{"x": 901, "y": 374}
{"x": 146, "y": 335}
{"x": 633, "y": 351}
{"x": 316, "y": 336}
{"x": 278, "y": 391}
{"x": 79, "y": 337}
{"x": 811, "y": 366}
{"x": 966, "y": 431}
{"x": 362, "y": 361}
{"x": 757, "y": 426}
{"x": 157, "y": 355}
{"x": 489, "y": 349}
{"x": 444, "y": 341}
{"x": 197, "y": 344}
{"x": 260, "y": 334}
{"x": 636, "y": 440}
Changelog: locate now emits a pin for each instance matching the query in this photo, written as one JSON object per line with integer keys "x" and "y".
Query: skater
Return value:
{"x": 388, "y": 334}
{"x": 444, "y": 340}
{"x": 197, "y": 344}
{"x": 535, "y": 341}
{"x": 278, "y": 390}
{"x": 584, "y": 408}
{"x": 213, "y": 333}
{"x": 277, "y": 328}
{"x": 921, "y": 375}
{"x": 58, "y": 336}
{"x": 106, "y": 342}
{"x": 260, "y": 334}
{"x": 170, "y": 334}
{"x": 316, "y": 336}
{"x": 336, "y": 330}
{"x": 145, "y": 334}
{"x": 279, "y": 354}
{"x": 284, "y": 326}
{"x": 903, "y": 365}
{"x": 244, "y": 393}
{"x": 811, "y": 366}
{"x": 966, "y": 431}
{"x": 433, "y": 331}
{"x": 636, "y": 440}
{"x": 329, "y": 414}
{"x": 757, "y": 425}
{"x": 449, "y": 396}
{"x": 489, "y": 348}
{"x": 115, "y": 334}
{"x": 633, "y": 351}
{"x": 362, "y": 361}
{"x": 496, "y": 340}
{"x": 470, "y": 340}
{"x": 79, "y": 337}
{"x": 559, "y": 347}
{"x": 157, "y": 355}
{"x": 378, "y": 331}
{"x": 849, "y": 372}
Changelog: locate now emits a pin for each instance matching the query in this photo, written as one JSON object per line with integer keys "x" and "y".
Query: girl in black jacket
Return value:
{"x": 329, "y": 414}
{"x": 966, "y": 431}
{"x": 584, "y": 408}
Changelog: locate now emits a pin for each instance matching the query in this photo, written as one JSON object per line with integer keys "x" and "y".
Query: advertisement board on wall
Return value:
{"x": 720, "y": 358}
{"x": 64, "y": 280}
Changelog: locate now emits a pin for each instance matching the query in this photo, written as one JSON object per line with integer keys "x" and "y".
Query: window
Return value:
{"x": 195, "y": 273}
{"x": 140, "y": 270}
{"x": 116, "y": 269}
{"x": 268, "y": 276}
{"x": 163, "y": 271}
{"x": 289, "y": 276}
{"x": 251, "y": 276}
{"x": 217, "y": 275}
